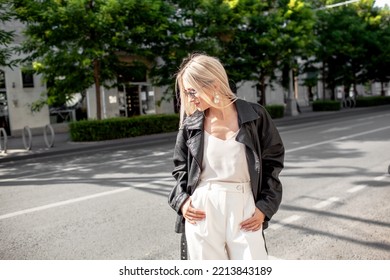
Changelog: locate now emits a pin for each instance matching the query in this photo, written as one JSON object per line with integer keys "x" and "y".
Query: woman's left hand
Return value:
{"x": 255, "y": 222}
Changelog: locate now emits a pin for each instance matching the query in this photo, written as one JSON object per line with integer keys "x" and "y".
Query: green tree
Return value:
{"x": 196, "y": 26}
{"x": 6, "y": 36}
{"x": 77, "y": 43}
{"x": 251, "y": 37}
{"x": 378, "y": 48}
{"x": 269, "y": 36}
{"x": 348, "y": 45}
{"x": 251, "y": 51}
{"x": 297, "y": 37}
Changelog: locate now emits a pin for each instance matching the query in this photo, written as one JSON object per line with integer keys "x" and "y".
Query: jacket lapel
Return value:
{"x": 246, "y": 114}
{"x": 244, "y": 138}
{"x": 195, "y": 132}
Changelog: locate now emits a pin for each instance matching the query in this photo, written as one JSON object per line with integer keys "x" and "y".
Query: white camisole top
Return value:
{"x": 224, "y": 160}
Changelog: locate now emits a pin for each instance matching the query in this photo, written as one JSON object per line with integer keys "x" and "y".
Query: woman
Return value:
{"x": 227, "y": 158}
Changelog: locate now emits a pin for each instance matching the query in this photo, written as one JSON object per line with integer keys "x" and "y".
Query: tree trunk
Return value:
{"x": 262, "y": 90}
{"x": 355, "y": 92}
{"x": 96, "y": 71}
{"x": 333, "y": 93}
{"x": 346, "y": 91}
{"x": 311, "y": 95}
{"x": 96, "y": 77}
{"x": 323, "y": 80}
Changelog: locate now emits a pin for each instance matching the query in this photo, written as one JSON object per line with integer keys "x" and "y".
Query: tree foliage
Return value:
{"x": 196, "y": 26}
{"x": 378, "y": 48}
{"x": 252, "y": 38}
{"x": 269, "y": 37}
{"x": 352, "y": 45}
{"x": 6, "y": 36}
{"x": 75, "y": 44}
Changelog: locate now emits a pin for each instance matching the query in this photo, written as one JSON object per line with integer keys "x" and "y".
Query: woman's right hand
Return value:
{"x": 192, "y": 214}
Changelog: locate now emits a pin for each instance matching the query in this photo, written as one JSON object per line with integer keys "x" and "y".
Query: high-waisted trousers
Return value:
{"x": 219, "y": 236}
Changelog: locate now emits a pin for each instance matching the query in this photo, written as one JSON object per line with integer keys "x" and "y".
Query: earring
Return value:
{"x": 216, "y": 98}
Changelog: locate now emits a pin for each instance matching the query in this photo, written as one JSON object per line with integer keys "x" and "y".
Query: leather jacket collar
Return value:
{"x": 245, "y": 113}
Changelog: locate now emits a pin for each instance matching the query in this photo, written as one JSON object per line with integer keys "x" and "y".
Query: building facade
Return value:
{"x": 18, "y": 91}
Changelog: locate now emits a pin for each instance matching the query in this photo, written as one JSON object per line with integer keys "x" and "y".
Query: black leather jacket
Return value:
{"x": 264, "y": 172}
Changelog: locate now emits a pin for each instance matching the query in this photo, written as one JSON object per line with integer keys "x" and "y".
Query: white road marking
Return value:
{"x": 343, "y": 128}
{"x": 356, "y": 189}
{"x": 61, "y": 203}
{"x": 159, "y": 153}
{"x": 327, "y": 202}
{"x": 71, "y": 168}
{"x": 284, "y": 222}
{"x": 336, "y": 139}
{"x": 380, "y": 178}
{"x": 149, "y": 185}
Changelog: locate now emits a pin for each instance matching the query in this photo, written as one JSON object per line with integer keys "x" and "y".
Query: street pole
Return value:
{"x": 291, "y": 103}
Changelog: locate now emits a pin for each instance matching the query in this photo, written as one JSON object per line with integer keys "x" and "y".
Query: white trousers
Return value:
{"x": 218, "y": 236}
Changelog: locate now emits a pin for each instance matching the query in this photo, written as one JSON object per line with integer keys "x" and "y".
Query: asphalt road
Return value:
{"x": 112, "y": 203}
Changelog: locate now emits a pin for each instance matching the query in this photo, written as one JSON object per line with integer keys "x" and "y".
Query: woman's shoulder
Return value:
{"x": 259, "y": 109}
{"x": 192, "y": 121}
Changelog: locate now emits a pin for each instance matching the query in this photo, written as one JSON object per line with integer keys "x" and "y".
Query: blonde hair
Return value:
{"x": 202, "y": 71}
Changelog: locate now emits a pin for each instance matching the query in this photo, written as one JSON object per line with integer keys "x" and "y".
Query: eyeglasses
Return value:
{"x": 190, "y": 92}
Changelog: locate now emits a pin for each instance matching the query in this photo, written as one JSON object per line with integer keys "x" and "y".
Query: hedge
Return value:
{"x": 326, "y": 105}
{"x": 368, "y": 101}
{"x": 115, "y": 128}
{"x": 276, "y": 111}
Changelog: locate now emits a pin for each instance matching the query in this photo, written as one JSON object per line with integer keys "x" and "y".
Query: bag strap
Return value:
{"x": 183, "y": 247}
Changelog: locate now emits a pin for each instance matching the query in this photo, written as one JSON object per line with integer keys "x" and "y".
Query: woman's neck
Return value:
{"x": 221, "y": 114}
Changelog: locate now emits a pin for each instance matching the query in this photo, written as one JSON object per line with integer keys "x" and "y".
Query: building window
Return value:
{"x": 28, "y": 79}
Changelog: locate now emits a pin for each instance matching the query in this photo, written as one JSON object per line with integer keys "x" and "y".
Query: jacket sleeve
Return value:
{"x": 272, "y": 158}
{"x": 178, "y": 194}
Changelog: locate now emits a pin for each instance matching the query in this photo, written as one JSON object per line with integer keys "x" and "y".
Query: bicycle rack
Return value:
{"x": 27, "y": 142}
{"x": 48, "y": 136}
{"x": 49, "y": 142}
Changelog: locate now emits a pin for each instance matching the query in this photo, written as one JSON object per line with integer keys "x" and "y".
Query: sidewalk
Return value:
{"x": 63, "y": 143}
